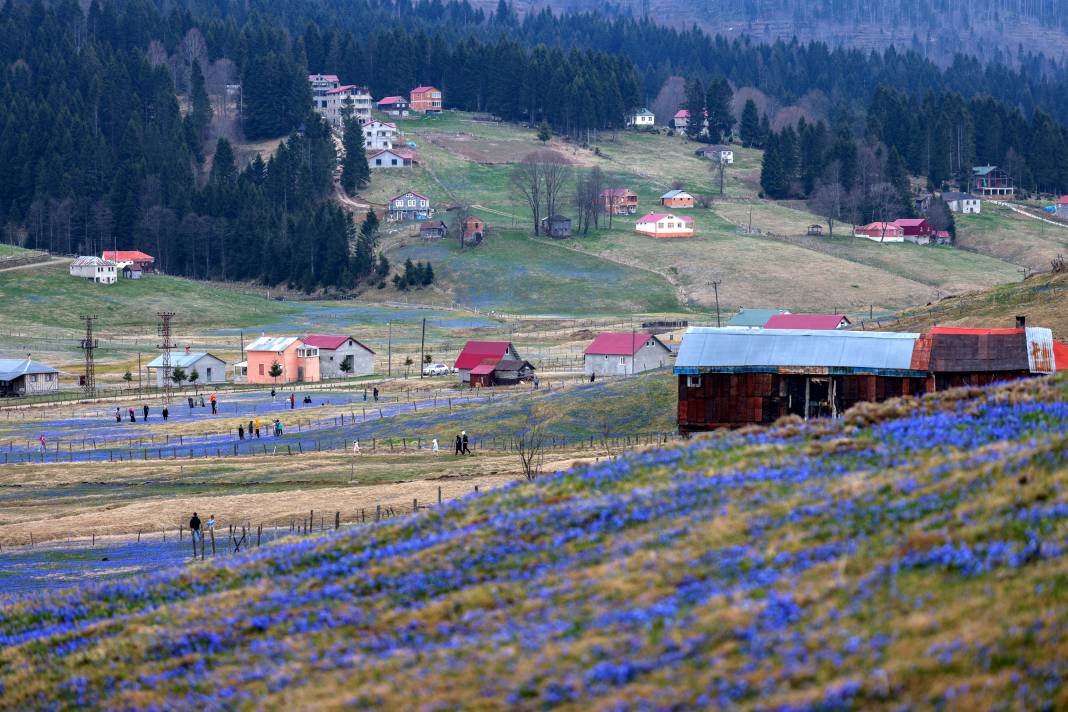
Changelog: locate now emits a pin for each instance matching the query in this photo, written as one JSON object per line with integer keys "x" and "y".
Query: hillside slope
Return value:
{"x": 911, "y": 554}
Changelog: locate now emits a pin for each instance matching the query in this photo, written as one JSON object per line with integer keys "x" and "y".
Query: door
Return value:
{"x": 300, "y": 374}
{"x": 621, "y": 367}
{"x": 210, "y": 379}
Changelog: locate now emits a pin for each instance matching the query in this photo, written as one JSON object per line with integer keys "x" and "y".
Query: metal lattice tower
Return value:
{"x": 164, "y": 331}
{"x": 89, "y": 344}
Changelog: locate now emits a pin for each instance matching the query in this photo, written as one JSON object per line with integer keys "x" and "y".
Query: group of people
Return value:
{"x": 132, "y": 414}
{"x": 257, "y": 426}
{"x": 462, "y": 444}
{"x": 212, "y": 401}
{"x": 194, "y": 526}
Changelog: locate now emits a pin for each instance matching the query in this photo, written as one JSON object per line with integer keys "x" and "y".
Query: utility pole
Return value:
{"x": 715, "y": 286}
{"x": 139, "y": 384}
{"x": 164, "y": 331}
{"x": 422, "y": 350}
{"x": 89, "y": 344}
{"x": 389, "y": 351}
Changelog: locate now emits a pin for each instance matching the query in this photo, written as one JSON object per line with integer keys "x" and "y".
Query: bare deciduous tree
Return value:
{"x": 539, "y": 178}
{"x": 530, "y": 443}
{"x": 588, "y": 200}
{"x": 526, "y": 180}
{"x": 828, "y": 196}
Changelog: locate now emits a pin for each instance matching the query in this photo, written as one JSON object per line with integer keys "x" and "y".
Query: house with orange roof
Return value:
{"x": 426, "y": 100}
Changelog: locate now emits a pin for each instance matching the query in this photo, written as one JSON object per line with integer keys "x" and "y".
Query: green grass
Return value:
{"x": 1003, "y": 234}
{"x": 12, "y": 251}
{"x": 513, "y": 273}
{"x": 49, "y": 298}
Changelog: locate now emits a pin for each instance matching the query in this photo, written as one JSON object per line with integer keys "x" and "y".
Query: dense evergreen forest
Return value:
{"x": 108, "y": 136}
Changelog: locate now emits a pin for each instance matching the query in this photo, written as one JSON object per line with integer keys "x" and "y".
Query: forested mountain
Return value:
{"x": 108, "y": 136}
{"x": 938, "y": 29}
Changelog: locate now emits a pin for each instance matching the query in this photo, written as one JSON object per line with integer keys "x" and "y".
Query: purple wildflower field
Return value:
{"x": 910, "y": 555}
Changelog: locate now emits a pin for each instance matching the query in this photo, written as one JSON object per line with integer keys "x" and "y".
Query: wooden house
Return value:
{"x": 815, "y": 229}
{"x": 992, "y": 182}
{"x": 139, "y": 261}
{"x": 433, "y": 230}
{"x": 394, "y": 106}
{"x": 409, "y": 206}
{"x": 23, "y": 377}
{"x": 680, "y": 119}
{"x": 95, "y": 269}
{"x": 557, "y": 226}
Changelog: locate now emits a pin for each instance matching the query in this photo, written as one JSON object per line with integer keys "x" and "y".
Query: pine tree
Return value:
{"x": 718, "y": 103}
{"x": 355, "y": 173}
{"x": 201, "y": 104}
{"x": 773, "y": 179}
{"x": 695, "y": 104}
{"x": 749, "y": 129}
{"x": 223, "y": 168}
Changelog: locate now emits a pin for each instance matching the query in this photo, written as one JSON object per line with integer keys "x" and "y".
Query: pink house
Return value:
{"x": 298, "y": 361}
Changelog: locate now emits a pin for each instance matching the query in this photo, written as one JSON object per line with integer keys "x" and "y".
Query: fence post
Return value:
{"x": 212, "y": 530}
{"x": 337, "y": 520}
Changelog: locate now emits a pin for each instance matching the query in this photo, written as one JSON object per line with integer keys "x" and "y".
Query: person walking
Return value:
{"x": 144, "y": 411}
{"x": 118, "y": 415}
{"x": 194, "y": 529}
{"x": 375, "y": 392}
{"x": 166, "y": 413}
{"x": 292, "y": 401}
{"x": 201, "y": 401}
{"x": 44, "y": 443}
{"x": 249, "y": 430}
{"x": 593, "y": 377}
{"x": 434, "y": 445}
{"x": 272, "y": 392}
{"x": 365, "y": 394}
{"x": 459, "y": 445}
{"x": 214, "y": 405}
{"x": 211, "y": 524}
{"x": 240, "y": 433}
{"x": 281, "y": 428}
{"x": 257, "y": 427}
{"x": 467, "y": 450}
{"x": 133, "y": 418}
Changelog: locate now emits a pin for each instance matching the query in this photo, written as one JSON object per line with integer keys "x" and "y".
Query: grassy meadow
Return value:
{"x": 910, "y": 554}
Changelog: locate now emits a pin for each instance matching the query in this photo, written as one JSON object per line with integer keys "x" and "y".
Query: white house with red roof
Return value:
{"x": 133, "y": 262}
{"x": 341, "y": 356}
{"x": 394, "y": 106}
{"x": 624, "y": 353}
{"x": 491, "y": 363}
{"x": 880, "y": 232}
{"x": 664, "y": 225}
{"x": 811, "y": 322}
{"x": 379, "y": 135}
{"x": 389, "y": 158}
{"x": 680, "y": 119}
{"x": 1061, "y": 207}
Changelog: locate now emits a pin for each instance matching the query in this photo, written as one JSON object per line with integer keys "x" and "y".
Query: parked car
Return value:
{"x": 436, "y": 369}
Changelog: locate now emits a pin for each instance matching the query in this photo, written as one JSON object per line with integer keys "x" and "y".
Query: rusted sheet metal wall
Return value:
{"x": 1040, "y": 350}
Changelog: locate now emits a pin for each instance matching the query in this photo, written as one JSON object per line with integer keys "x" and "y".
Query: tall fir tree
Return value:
{"x": 355, "y": 173}
{"x": 718, "y": 104}
{"x": 749, "y": 129}
{"x": 695, "y": 105}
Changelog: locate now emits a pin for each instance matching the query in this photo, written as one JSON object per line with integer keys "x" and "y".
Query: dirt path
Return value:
{"x": 38, "y": 265}
{"x": 1017, "y": 209}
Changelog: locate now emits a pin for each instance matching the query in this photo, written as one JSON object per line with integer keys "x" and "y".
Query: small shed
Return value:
{"x": 433, "y": 230}
{"x": 557, "y": 226}
{"x": 474, "y": 229}
{"x": 815, "y": 229}
{"x": 21, "y": 377}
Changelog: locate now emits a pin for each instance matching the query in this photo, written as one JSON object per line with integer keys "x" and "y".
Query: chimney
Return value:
{"x": 1021, "y": 321}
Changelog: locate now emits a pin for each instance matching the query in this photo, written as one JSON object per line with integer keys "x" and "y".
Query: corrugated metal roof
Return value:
{"x": 272, "y": 343}
{"x": 12, "y": 368}
{"x": 709, "y": 349}
{"x": 92, "y": 262}
{"x": 618, "y": 343}
{"x": 181, "y": 358}
{"x": 754, "y": 317}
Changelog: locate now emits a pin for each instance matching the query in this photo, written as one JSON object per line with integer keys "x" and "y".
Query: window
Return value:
{"x": 693, "y": 381}
{"x": 261, "y": 369}
{"x": 622, "y": 360}
{"x": 33, "y": 378}
{"x": 393, "y": 162}
{"x": 378, "y": 161}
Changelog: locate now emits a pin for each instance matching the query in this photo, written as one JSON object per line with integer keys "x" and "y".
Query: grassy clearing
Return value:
{"x": 46, "y": 299}
{"x": 1011, "y": 237}
{"x": 513, "y": 273}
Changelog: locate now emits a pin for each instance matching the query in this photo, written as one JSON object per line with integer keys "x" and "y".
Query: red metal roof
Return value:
{"x": 617, "y": 343}
{"x": 1060, "y": 356}
{"x": 483, "y": 369}
{"x": 910, "y": 222}
{"x": 330, "y": 343}
{"x": 392, "y": 100}
{"x": 127, "y": 256}
{"x": 476, "y": 353}
{"x": 682, "y": 114}
{"x": 323, "y": 77}
{"x": 419, "y": 90}
{"x": 805, "y": 321}
{"x": 970, "y": 330}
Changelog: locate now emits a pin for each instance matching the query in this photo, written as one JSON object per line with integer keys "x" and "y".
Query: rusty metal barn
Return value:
{"x": 731, "y": 377}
